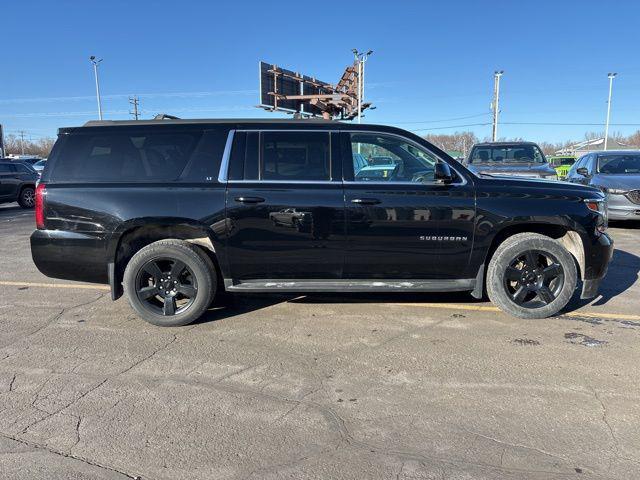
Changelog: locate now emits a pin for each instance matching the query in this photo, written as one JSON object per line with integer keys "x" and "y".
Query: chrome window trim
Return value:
{"x": 292, "y": 182}
{"x": 367, "y": 182}
{"x": 223, "y": 174}
{"x": 417, "y": 145}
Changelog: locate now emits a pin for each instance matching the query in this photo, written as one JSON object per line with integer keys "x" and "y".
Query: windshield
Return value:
{"x": 619, "y": 164}
{"x": 507, "y": 154}
{"x": 562, "y": 161}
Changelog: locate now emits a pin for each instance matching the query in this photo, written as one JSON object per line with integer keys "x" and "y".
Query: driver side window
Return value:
{"x": 387, "y": 158}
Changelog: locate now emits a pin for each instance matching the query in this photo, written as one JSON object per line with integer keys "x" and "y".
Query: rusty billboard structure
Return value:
{"x": 288, "y": 91}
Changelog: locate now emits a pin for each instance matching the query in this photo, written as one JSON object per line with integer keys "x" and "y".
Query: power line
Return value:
{"x": 452, "y": 126}
{"x": 573, "y": 124}
{"x": 443, "y": 119}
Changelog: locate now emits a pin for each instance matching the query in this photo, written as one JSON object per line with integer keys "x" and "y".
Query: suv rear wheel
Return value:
{"x": 170, "y": 283}
{"x": 531, "y": 276}
{"x": 27, "y": 198}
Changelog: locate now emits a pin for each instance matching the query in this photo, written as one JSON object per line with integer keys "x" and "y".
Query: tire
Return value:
{"x": 167, "y": 301}
{"x": 27, "y": 197}
{"x": 531, "y": 276}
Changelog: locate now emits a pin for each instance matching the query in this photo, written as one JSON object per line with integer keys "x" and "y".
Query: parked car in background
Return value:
{"x": 517, "y": 159}
{"x": 617, "y": 174}
{"x": 562, "y": 164}
{"x": 272, "y": 206}
{"x": 373, "y": 168}
{"x": 17, "y": 184}
{"x": 25, "y": 159}
{"x": 39, "y": 166}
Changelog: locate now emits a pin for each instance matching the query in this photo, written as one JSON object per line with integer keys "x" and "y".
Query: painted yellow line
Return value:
{"x": 54, "y": 285}
{"x": 453, "y": 306}
{"x": 442, "y": 306}
{"x": 486, "y": 308}
{"x": 613, "y": 316}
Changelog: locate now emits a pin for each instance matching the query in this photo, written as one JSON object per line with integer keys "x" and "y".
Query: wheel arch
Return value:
{"x": 132, "y": 236}
{"x": 568, "y": 236}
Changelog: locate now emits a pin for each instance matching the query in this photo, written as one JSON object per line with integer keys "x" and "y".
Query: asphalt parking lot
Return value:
{"x": 318, "y": 387}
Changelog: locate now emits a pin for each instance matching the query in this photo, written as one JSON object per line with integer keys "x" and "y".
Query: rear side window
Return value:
{"x": 24, "y": 169}
{"x": 295, "y": 156}
{"x": 6, "y": 168}
{"x": 126, "y": 156}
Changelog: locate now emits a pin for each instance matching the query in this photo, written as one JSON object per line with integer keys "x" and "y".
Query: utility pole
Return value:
{"x": 21, "y": 132}
{"x": 95, "y": 63}
{"x": 135, "y": 102}
{"x": 361, "y": 58}
{"x": 611, "y": 76}
{"x": 496, "y": 103}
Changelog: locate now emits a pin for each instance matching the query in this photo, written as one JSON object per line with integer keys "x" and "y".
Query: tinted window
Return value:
{"x": 125, "y": 156}
{"x": 295, "y": 156}
{"x": 5, "y": 168}
{"x": 24, "y": 169}
{"x": 390, "y": 159}
{"x": 507, "y": 153}
{"x": 619, "y": 164}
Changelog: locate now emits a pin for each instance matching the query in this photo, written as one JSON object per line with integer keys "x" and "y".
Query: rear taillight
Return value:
{"x": 41, "y": 191}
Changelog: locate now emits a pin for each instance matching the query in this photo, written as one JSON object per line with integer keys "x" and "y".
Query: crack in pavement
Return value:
{"x": 49, "y": 322}
{"x": 68, "y": 455}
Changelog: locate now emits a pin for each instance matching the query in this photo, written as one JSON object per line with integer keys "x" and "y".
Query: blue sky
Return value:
{"x": 431, "y": 71}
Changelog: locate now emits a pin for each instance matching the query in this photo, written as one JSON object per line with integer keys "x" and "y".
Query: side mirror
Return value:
{"x": 582, "y": 171}
{"x": 442, "y": 173}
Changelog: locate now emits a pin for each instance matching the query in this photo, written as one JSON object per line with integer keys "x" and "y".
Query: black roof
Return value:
{"x": 235, "y": 123}
{"x": 189, "y": 121}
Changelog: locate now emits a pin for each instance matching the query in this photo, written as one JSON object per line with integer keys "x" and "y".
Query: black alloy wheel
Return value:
{"x": 166, "y": 286}
{"x": 533, "y": 279}
{"x": 27, "y": 198}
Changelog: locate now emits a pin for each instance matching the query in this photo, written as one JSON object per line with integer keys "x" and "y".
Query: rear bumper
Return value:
{"x": 69, "y": 255}
{"x": 597, "y": 257}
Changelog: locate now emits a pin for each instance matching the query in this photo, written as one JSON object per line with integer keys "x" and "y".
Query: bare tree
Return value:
{"x": 42, "y": 147}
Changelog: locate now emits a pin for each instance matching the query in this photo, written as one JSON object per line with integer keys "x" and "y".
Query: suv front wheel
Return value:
{"x": 170, "y": 283}
{"x": 531, "y": 276}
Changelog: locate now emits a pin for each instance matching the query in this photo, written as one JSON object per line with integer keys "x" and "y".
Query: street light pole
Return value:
{"x": 361, "y": 58}
{"x": 611, "y": 76}
{"x": 95, "y": 63}
{"x": 496, "y": 102}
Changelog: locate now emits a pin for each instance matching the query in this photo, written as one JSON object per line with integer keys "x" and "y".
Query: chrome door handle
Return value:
{"x": 365, "y": 201}
{"x": 249, "y": 199}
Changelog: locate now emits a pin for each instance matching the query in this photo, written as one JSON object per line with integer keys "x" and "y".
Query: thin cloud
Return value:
{"x": 214, "y": 93}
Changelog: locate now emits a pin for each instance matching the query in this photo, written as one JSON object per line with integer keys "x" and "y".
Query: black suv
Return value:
{"x": 173, "y": 212}
{"x": 17, "y": 183}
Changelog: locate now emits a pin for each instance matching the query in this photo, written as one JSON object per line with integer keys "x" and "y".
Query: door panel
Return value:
{"x": 295, "y": 232}
{"x": 401, "y": 223}
{"x": 415, "y": 231}
{"x": 286, "y": 214}
{"x": 8, "y": 181}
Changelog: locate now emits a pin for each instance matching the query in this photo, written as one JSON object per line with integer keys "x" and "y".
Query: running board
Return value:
{"x": 265, "y": 286}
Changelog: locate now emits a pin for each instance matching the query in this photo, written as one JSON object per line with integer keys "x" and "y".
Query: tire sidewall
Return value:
{"x": 205, "y": 279}
{"x": 515, "y": 246}
{"x": 21, "y": 200}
